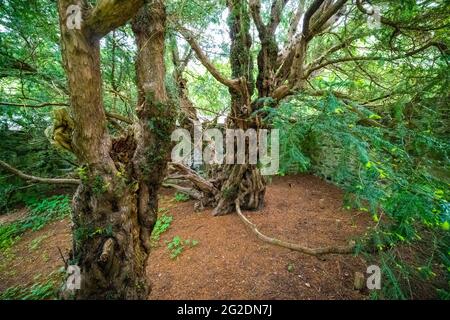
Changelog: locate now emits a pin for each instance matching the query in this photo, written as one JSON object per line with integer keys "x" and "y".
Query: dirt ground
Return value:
{"x": 229, "y": 261}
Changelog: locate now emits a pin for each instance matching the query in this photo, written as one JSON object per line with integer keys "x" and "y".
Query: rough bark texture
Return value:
{"x": 240, "y": 181}
{"x": 280, "y": 73}
{"x": 114, "y": 208}
{"x": 188, "y": 115}
{"x": 155, "y": 111}
{"x": 244, "y": 183}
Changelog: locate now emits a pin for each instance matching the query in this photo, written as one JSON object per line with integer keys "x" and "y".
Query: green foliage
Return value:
{"x": 83, "y": 174}
{"x": 98, "y": 186}
{"x": 210, "y": 97}
{"x": 41, "y": 213}
{"x": 84, "y": 233}
{"x": 398, "y": 172}
{"x": 181, "y": 197}
{"x": 40, "y": 290}
{"x": 162, "y": 225}
{"x": 177, "y": 245}
{"x": 30, "y": 74}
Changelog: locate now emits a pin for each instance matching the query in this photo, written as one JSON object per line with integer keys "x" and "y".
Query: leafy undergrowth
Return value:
{"x": 40, "y": 214}
{"x": 397, "y": 174}
{"x": 177, "y": 245}
{"x": 161, "y": 226}
{"x": 40, "y": 290}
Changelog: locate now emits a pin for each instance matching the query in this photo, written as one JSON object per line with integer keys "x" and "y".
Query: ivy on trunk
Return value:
{"x": 116, "y": 205}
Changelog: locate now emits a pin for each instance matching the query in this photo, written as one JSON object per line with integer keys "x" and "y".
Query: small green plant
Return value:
{"x": 83, "y": 174}
{"x": 177, "y": 245}
{"x": 88, "y": 232}
{"x": 181, "y": 197}
{"x": 161, "y": 226}
{"x": 99, "y": 186}
{"x": 107, "y": 231}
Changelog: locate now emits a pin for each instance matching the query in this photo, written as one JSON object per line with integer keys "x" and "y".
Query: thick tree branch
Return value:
{"x": 255, "y": 9}
{"x": 276, "y": 11}
{"x": 292, "y": 63}
{"x": 287, "y": 53}
{"x": 119, "y": 117}
{"x": 295, "y": 22}
{"x": 231, "y": 83}
{"x": 187, "y": 173}
{"x": 61, "y": 104}
{"x": 108, "y": 15}
{"x": 275, "y": 15}
{"x": 321, "y": 22}
{"x": 27, "y": 177}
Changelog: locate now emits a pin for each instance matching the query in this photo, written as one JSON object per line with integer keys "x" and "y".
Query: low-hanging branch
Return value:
{"x": 62, "y": 104}
{"x": 348, "y": 249}
{"x": 351, "y": 104}
{"x": 36, "y": 106}
{"x": 27, "y": 177}
{"x": 118, "y": 117}
{"x": 375, "y": 58}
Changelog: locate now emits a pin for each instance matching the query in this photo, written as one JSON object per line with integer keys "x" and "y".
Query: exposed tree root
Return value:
{"x": 187, "y": 181}
{"x": 229, "y": 182}
{"x": 194, "y": 194}
{"x": 311, "y": 251}
{"x": 186, "y": 173}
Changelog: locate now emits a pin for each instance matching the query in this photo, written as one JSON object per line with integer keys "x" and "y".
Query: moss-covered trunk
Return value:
{"x": 108, "y": 242}
{"x": 240, "y": 182}
{"x": 116, "y": 205}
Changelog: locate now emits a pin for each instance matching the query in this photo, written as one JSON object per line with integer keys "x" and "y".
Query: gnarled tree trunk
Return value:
{"x": 280, "y": 74}
{"x": 115, "y": 207}
{"x": 188, "y": 115}
{"x": 240, "y": 181}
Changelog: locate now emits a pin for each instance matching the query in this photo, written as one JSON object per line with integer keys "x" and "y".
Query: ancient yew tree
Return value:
{"x": 280, "y": 72}
{"x": 115, "y": 206}
{"x": 358, "y": 91}
{"x": 288, "y": 60}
